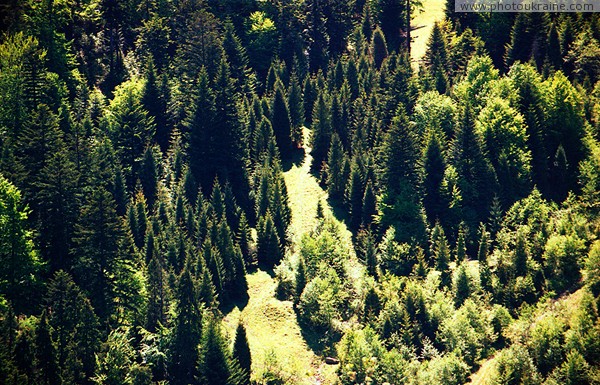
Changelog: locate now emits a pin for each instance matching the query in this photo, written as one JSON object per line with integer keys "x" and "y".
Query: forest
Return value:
{"x": 236, "y": 192}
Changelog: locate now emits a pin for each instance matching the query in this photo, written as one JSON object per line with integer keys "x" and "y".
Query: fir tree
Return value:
{"x": 75, "y": 328}
{"x": 318, "y": 54}
{"x": 400, "y": 176}
{"x": 462, "y": 286}
{"x": 215, "y": 362}
{"x": 369, "y": 205}
{"x": 553, "y": 54}
{"x": 434, "y": 167}
{"x": 310, "y": 97}
{"x": 300, "y": 283}
{"x": 45, "y": 355}
{"x": 184, "y": 352}
{"x": 321, "y": 132}
{"x": 281, "y": 122}
{"x": 355, "y": 197}
{"x": 477, "y": 181}
{"x": 295, "y": 103}
{"x": 520, "y": 255}
{"x": 157, "y": 296}
{"x": 484, "y": 245}
{"x": 519, "y": 48}
{"x": 268, "y": 247}
{"x": 149, "y": 177}
{"x": 155, "y": 102}
{"x": 441, "y": 252}
{"x": 241, "y": 352}
{"x": 335, "y": 163}
{"x": 378, "y": 48}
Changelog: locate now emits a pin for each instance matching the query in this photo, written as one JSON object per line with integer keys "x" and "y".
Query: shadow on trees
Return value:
{"x": 295, "y": 158}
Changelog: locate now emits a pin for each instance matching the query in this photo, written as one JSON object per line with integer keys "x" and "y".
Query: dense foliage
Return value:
{"x": 143, "y": 146}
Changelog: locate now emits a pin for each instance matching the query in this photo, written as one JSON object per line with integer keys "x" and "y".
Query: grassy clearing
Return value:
{"x": 275, "y": 338}
{"x": 433, "y": 10}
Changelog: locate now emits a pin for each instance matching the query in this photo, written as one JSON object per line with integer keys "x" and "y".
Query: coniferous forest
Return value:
{"x": 235, "y": 192}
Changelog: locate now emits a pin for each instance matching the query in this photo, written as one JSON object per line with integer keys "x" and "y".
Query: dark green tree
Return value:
{"x": 318, "y": 40}
{"x": 215, "y": 363}
{"x": 280, "y": 119}
{"x": 157, "y": 295}
{"x": 300, "y": 283}
{"x": 434, "y": 166}
{"x": 241, "y": 352}
{"x": 155, "y": 102}
{"x": 296, "y": 106}
{"x": 45, "y": 354}
{"x": 335, "y": 163}
{"x": 321, "y": 132}
{"x": 378, "y": 48}
{"x": 401, "y": 206}
{"x": 268, "y": 247}
{"x": 149, "y": 177}
{"x": 369, "y": 205}
{"x": 184, "y": 349}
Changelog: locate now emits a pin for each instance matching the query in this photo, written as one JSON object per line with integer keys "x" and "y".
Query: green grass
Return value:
{"x": 433, "y": 10}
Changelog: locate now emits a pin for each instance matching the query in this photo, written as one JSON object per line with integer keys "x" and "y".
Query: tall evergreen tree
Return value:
{"x": 99, "y": 251}
{"x": 241, "y": 352}
{"x": 184, "y": 350}
{"x": 321, "y": 132}
{"x": 434, "y": 167}
{"x": 296, "y": 106}
{"x": 400, "y": 175}
{"x": 369, "y": 205}
{"x": 280, "y": 119}
{"x": 335, "y": 164}
{"x": 310, "y": 94}
{"x": 477, "y": 181}
{"x": 355, "y": 196}
{"x": 149, "y": 177}
{"x": 378, "y": 48}
{"x": 75, "y": 329}
{"x": 157, "y": 295}
{"x": 318, "y": 54}
{"x": 45, "y": 355}
{"x": 268, "y": 247}
{"x": 215, "y": 362}
{"x": 155, "y": 102}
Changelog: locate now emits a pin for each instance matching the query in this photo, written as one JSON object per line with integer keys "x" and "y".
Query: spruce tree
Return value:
{"x": 484, "y": 245}
{"x": 295, "y": 103}
{"x": 45, "y": 354}
{"x": 441, "y": 252}
{"x": 355, "y": 197}
{"x": 280, "y": 119}
{"x": 57, "y": 194}
{"x": 401, "y": 206}
{"x": 20, "y": 262}
{"x": 321, "y": 132}
{"x": 318, "y": 54}
{"x": 477, "y": 181}
{"x": 519, "y": 48}
{"x": 335, "y": 163}
{"x": 241, "y": 352}
{"x": 237, "y": 58}
{"x": 434, "y": 166}
{"x": 200, "y": 129}
{"x": 310, "y": 94}
{"x": 378, "y": 48}
{"x": 553, "y": 54}
{"x": 300, "y": 283}
{"x": 215, "y": 363}
{"x": 520, "y": 255}
{"x": 369, "y": 205}
{"x": 268, "y": 248}
{"x": 184, "y": 352}
{"x": 75, "y": 328}
{"x": 461, "y": 246}
{"x": 149, "y": 177}
{"x": 462, "y": 286}
{"x": 157, "y": 295}
{"x": 155, "y": 103}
